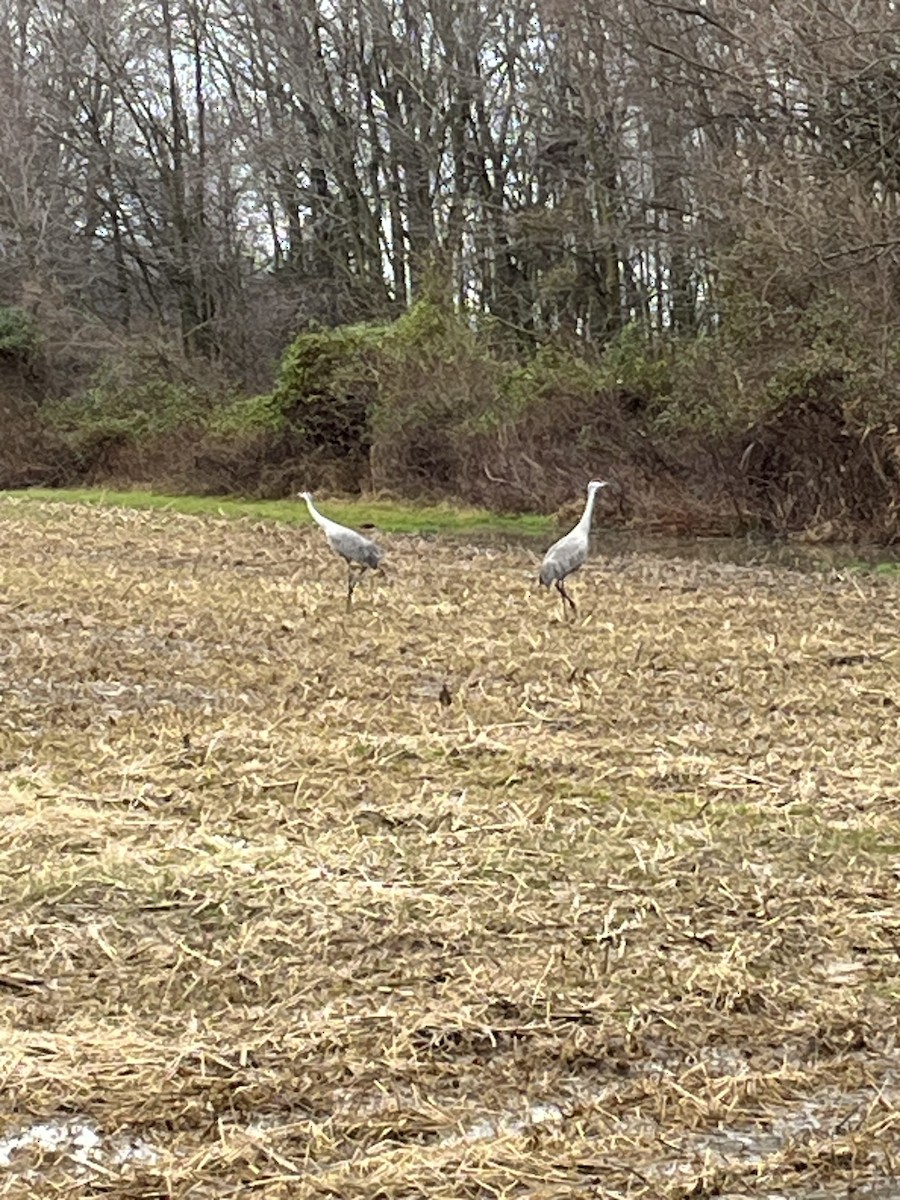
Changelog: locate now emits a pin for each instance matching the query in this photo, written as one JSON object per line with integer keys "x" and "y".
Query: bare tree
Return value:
{"x": 229, "y": 171}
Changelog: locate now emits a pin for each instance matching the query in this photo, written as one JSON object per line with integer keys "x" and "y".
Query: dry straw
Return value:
{"x": 620, "y": 920}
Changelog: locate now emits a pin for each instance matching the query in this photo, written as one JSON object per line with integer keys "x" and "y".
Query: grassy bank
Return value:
{"x": 391, "y": 516}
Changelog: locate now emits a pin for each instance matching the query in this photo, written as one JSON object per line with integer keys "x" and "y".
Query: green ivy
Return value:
{"x": 18, "y": 332}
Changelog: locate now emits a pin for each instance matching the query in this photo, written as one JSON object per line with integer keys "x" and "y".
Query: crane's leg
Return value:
{"x": 566, "y": 598}
{"x": 352, "y": 581}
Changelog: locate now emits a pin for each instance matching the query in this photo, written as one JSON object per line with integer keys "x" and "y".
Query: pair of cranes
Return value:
{"x": 563, "y": 558}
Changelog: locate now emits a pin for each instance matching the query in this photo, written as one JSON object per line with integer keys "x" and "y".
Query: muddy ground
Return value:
{"x": 620, "y": 920}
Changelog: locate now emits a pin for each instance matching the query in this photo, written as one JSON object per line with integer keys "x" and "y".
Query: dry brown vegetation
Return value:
{"x": 622, "y": 920}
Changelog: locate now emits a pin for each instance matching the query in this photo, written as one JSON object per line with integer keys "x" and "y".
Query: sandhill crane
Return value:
{"x": 358, "y": 552}
{"x": 570, "y": 552}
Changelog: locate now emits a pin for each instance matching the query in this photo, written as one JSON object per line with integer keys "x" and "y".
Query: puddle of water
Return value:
{"x": 738, "y": 1145}
{"x": 485, "y": 1128}
{"x": 745, "y": 551}
{"x": 735, "y": 551}
{"x": 87, "y": 1148}
{"x": 81, "y": 1141}
{"x": 822, "y": 1115}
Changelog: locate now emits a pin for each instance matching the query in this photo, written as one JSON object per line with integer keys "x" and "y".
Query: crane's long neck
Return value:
{"x": 314, "y": 512}
{"x": 584, "y": 525}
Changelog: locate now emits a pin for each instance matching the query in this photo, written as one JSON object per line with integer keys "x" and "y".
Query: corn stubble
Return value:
{"x": 621, "y": 920}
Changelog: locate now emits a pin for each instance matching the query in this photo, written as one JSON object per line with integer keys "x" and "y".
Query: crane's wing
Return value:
{"x": 563, "y": 557}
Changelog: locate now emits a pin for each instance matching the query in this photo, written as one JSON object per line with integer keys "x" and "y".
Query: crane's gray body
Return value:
{"x": 353, "y": 547}
{"x": 563, "y": 557}
{"x": 571, "y": 551}
{"x": 356, "y": 551}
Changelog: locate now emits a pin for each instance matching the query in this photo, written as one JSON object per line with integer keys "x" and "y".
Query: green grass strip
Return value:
{"x": 389, "y": 515}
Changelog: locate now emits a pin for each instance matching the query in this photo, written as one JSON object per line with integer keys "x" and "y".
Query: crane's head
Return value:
{"x": 596, "y": 484}
{"x": 304, "y": 495}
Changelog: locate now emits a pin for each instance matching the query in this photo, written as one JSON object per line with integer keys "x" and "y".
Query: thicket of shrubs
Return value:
{"x": 786, "y": 417}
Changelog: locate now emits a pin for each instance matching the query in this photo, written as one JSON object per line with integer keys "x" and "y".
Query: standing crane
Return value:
{"x": 358, "y": 552}
{"x": 570, "y": 552}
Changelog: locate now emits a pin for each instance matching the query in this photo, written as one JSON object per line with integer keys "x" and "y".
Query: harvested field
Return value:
{"x": 622, "y": 920}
